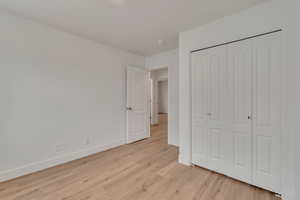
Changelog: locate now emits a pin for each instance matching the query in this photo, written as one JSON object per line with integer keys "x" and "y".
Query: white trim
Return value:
{"x": 156, "y": 81}
{"x": 169, "y": 106}
{"x": 38, "y": 166}
{"x": 169, "y": 98}
{"x": 148, "y": 103}
{"x": 183, "y": 161}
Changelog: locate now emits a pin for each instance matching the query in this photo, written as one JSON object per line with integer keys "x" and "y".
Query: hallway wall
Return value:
{"x": 163, "y": 97}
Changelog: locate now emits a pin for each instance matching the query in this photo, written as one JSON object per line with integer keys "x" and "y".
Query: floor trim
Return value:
{"x": 38, "y": 166}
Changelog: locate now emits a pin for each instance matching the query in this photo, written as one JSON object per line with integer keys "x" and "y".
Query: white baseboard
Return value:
{"x": 41, "y": 165}
{"x": 173, "y": 143}
{"x": 184, "y": 161}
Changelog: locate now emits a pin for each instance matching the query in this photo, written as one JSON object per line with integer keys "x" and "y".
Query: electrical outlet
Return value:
{"x": 60, "y": 147}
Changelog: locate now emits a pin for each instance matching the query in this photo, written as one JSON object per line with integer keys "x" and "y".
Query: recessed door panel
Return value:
{"x": 263, "y": 145}
{"x": 241, "y": 145}
{"x": 200, "y": 86}
{"x": 216, "y": 62}
{"x": 200, "y": 144}
{"x": 215, "y": 144}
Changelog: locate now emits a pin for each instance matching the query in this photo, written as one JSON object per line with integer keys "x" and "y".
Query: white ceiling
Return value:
{"x": 134, "y": 25}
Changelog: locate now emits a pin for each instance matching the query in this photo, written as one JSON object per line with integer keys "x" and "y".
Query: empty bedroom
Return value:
{"x": 149, "y": 100}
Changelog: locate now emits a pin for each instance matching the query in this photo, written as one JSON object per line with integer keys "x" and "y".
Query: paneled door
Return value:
{"x": 209, "y": 124}
{"x": 237, "y": 110}
{"x": 267, "y": 111}
{"x": 138, "y": 105}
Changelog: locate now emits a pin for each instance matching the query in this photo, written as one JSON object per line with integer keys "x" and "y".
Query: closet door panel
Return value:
{"x": 200, "y": 108}
{"x": 217, "y": 109}
{"x": 208, "y": 133}
{"x": 267, "y": 112}
{"x": 240, "y": 106}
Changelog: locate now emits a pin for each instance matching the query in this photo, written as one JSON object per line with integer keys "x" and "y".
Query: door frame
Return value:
{"x": 148, "y": 105}
{"x": 169, "y": 96}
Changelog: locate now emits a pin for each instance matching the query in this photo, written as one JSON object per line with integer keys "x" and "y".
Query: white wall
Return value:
{"x": 169, "y": 59}
{"x": 62, "y": 97}
{"x": 294, "y": 87}
{"x": 260, "y": 19}
{"x": 163, "y": 96}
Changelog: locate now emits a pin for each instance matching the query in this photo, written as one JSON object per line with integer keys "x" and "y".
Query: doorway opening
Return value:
{"x": 159, "y": 101}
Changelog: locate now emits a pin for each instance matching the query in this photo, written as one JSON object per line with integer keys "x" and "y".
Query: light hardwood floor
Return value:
{"x": 146, "y": 170}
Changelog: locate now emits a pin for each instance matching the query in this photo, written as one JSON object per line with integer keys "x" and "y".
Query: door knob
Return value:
{"x": 250, "y": 116}
{"x": 129, "y": 108}
{"x": 209, "y": 114}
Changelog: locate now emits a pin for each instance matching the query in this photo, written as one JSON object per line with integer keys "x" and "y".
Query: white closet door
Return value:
{"x": 267, "y": 112}
{"x": 200, "y": 108}
{"x": 209, "y": 109}
{"x": 239, "y": 110}
{"x": 236, "y": 110}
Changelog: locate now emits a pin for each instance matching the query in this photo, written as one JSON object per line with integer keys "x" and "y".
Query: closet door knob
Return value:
{"x": 129, "y": 108}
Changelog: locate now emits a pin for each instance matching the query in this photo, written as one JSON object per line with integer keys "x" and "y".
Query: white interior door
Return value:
{"x": 209, "y": 109}
{"x": 239, "y": 112}
{"x": 138, "y": 104}
{"x": 267, "y": 97}
{"x": 200, "y": 108}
